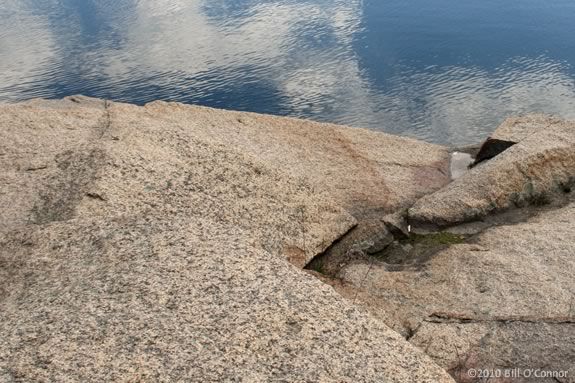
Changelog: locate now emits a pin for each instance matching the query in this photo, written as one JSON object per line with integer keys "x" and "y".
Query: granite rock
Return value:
{"x": 537, "y": 170}
{"x": 397, "y": 224}
{"x": 504, "y": 299}
{"x": 518, "y": 128}
{"x": 154, "y": 244}
{"x": 510, "y": 132}
{"x": 364, "y": 171}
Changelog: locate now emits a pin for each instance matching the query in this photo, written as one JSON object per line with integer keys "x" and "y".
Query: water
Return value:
{"x": 446, "y": 71}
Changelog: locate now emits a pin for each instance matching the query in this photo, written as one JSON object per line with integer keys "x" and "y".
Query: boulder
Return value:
{"x": 396, "y": 223}
{"x": 510, "y": 132}
{"x": 537, "y": 170}
{"x": 164, "y": 243}
{"x": 518, "y": 128}
{"x": 379, "y": 241}
{"x": 369, "y": 237}
{"x": 489, "y": 149}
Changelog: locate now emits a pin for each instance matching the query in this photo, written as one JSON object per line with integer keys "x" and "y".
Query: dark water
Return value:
{"x": 446, "y": 71}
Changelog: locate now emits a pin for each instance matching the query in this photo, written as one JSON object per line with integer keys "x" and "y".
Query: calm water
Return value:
{"x": 446, "y": 71}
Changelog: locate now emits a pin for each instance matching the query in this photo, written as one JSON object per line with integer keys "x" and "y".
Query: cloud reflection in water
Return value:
{"x": 287, "y": 57}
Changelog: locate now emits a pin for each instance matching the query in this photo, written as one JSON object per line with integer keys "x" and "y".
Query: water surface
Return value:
{"x": 447, "y": 71}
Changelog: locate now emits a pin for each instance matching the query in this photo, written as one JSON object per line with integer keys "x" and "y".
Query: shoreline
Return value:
{"x": 161, "y": 228}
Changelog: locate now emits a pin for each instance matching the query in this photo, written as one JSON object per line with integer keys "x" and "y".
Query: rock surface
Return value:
{"x": 361, "y": 169}
{"x": 536, "y": 170}
{"x": 510, "y": 132}
{"x": 504, "y": 299}
{"x": 518, "y": 128}
{"x": 152, "y": 244}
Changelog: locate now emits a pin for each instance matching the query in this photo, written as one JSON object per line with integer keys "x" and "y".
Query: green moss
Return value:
{"x": 442, "y": 238}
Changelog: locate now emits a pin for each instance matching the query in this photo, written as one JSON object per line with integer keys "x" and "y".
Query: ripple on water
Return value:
{"x": 335, "y": 61}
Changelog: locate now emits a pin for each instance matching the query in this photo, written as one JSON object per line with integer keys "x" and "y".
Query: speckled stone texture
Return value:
{"x": 504, "y": 300}
{"x": 536, "y": 170}
{"x": 153, "y": 244}
{"x": 362, "y": 170}
{"x": 518, "y": 128}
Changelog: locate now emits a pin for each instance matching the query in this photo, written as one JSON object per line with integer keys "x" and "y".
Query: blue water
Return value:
{"x": 447, "y": 71}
